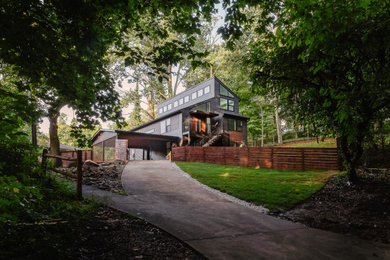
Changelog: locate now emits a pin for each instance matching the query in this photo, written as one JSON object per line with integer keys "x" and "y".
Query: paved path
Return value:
{"x": 220, "y": 229}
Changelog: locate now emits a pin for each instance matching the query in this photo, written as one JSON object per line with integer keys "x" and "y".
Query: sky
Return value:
{"x": 44, "y": 125}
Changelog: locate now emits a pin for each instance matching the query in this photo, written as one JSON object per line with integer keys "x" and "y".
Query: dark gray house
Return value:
{"x": 206, "y": 114}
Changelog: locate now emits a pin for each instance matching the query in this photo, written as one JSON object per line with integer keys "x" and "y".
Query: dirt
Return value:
{"x": 109, "y": 234}
{"x": 361, "y": 209}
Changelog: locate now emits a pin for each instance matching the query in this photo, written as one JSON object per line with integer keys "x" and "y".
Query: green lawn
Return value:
{"x": 272, "y": 189}
{"x": 327, "y": 143}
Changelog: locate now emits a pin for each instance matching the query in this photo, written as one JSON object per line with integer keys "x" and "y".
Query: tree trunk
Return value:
{"x": 170, "y": 86}
{"x": 53, "y": 132}
{"x": 350, "y": 153}
{"x": 278, "y": 125}
{"x": 262, "y": 126}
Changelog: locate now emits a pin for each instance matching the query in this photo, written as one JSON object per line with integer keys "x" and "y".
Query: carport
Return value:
{"x": 109, "y": 145}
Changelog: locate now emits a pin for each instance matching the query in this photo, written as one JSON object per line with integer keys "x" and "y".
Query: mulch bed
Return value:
{"x": 361, "y": 209}
{"x": 109, "y": 234}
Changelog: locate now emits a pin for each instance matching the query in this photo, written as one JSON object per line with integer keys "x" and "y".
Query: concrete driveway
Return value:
{"x": 221, "y": 229}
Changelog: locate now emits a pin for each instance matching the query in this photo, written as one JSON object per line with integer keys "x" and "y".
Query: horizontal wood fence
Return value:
{"x": 282, "y": 158}
{"x": 86, "y": 155}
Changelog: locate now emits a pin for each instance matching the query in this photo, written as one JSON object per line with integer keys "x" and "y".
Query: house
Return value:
{"x": 206, "y": 114}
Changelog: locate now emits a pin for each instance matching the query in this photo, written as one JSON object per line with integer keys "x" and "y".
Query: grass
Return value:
{"x": 273, "y": 189}
{"x": 327, "y": 143}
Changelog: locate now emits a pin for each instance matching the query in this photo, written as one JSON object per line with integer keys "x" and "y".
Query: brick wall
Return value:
{"x": 283, "y": 158}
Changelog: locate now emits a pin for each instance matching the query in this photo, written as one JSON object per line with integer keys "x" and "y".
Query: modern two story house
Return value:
{"x": 206, "y": 114}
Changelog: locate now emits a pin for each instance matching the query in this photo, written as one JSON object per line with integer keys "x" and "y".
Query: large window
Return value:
{"x": 226, "y": 104}
{"x": 203, "y": 107}
{"x": 165, "y": 126}
{"x": 234, "y": 124}
{"x": 224, "y": 92}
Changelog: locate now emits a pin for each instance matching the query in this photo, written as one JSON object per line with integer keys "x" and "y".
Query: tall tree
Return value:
{"x": 60, "y": 47}
{"x": 329, "y": 58}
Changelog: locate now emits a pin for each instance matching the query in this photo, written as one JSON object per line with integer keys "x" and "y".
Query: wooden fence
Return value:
{"x": 86, "y": 155}
{"x": 79, "y": 168}
{"x": 282, "y": 158}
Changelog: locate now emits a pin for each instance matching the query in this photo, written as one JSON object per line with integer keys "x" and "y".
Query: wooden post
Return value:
{"x": 79, "y": 172}
{"x": 44, "y": 161}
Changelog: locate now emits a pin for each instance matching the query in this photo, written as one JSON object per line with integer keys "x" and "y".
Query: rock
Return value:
{"x": 91, "y": 163}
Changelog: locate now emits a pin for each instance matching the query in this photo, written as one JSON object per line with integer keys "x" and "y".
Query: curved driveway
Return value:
{"x": 220, "y": 229}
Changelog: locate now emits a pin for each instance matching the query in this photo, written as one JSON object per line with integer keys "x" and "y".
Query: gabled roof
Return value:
{"x": 96, "y": 135}
{"x": 155, "y": 120}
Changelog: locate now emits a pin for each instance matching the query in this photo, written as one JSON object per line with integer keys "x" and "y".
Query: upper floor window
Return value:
{"x": 176, "y": 103}
{"x": 186, "y": 99}
{"x": 160, "y": 110}
{"x": 207, "y": 89}
{"x": 165, "y": 125}
{"x": 181, "y": 101}
{"x": 165, "y": 108}
{"x": 224, "y": 92}
{"x": 193, "y": 96}
{"x": 149, "y": 131}
{"x": 203, "y": 107}
{"x": 169, "y": 106}
{"x": 226, "y": 104}
{"x": 200, "y": 92}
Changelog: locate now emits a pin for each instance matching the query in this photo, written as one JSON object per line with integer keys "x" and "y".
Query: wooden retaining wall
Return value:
{"x": 87, "y": 155}
{"x": 282, "y": 158}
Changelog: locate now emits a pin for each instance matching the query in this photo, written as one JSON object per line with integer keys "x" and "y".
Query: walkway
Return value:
{"x": 220, "y": 229}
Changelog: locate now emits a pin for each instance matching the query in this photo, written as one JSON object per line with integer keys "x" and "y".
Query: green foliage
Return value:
{"x": 328, "y": 60}
{"x": 272, "y": 189}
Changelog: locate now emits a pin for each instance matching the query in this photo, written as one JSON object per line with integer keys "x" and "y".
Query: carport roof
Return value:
{"x": 142, "y": 140}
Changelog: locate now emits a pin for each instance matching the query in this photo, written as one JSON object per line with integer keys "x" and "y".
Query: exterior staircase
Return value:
{"x": 213, "y": 140}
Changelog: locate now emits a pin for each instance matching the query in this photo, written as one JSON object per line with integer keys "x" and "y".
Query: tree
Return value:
{"x": 329, "y": 58}
{"x": 60, "y": 47}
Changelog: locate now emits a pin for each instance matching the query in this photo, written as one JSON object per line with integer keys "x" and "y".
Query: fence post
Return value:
{"x": 79, "y": 164}
{"x": 44, "y": 160}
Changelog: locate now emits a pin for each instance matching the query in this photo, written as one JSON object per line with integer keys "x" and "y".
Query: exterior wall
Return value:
{"x": 176, "y": 126}
{"x": 210, "y": 82}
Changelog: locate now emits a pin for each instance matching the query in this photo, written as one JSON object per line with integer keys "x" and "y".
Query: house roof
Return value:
{"x": 68, "y": 147}
{"x": 96, "y": 135}
{"x": 155, "y": 120}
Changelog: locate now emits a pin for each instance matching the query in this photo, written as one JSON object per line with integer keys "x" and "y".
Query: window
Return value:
{"x": 234, "y": 125}
{"x": 200, "y": 92}
{"x": 207, "y": 89}
{"x": 203, "y": 107}
{"x": 186, "y": 99}
{"x": 165, "y": 125}
{"x": 226, "y": 104}
{"x": 165, "y": 108}
{"x": 149, "y": 131}
{"x": 231, "y": 105}
{"x": 160, "y": 110}
{"x": 223, "y": 103}
{"x": 176, "y": 103}
{"x": 168, "y": 125}
{"x": 169, "y": 106}
{"x": 224, "y": 92}
{"x": 180, "y": 101}
{"x": 193, "y": 96}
